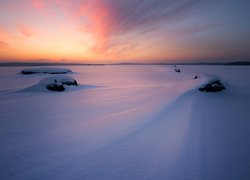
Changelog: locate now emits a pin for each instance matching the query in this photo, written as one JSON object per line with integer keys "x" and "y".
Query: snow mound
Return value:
{"x": 46, "y": 71}
{"x": 58, "y": 82}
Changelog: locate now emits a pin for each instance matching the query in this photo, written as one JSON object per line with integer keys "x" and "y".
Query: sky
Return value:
{"x": 104, "y": 31}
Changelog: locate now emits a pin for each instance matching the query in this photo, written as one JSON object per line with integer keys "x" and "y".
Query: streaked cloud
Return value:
{"x": 110, "y": 19}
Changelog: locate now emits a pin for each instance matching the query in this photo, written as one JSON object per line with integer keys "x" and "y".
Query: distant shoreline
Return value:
{"x": 4, "y": 64}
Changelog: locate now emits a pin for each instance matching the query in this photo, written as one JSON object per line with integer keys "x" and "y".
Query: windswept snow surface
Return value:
{"x": 142, "y": 122}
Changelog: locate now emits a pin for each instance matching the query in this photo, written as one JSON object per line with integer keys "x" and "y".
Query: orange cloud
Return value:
{"x": 26, "y": 30}
{"x": 3, "y": 33}
{"x": 6, "y": 38}
{"x": 3, "y": 44}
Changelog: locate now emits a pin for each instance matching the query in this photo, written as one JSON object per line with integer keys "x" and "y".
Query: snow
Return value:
{"x": 46, "y": 71}
{"x": 138, "y": 122}
{"x": 60, "y": 79}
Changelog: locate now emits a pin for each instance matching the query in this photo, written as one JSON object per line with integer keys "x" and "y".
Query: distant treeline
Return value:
{"x": 243, "y": 63}
{"x": 240, "y": 63}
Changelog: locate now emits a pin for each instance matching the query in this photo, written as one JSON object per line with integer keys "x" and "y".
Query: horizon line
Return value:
{"x": 25, "y": 63}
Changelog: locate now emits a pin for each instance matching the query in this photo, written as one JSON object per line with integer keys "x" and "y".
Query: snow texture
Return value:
{"x": 142, "y": 122}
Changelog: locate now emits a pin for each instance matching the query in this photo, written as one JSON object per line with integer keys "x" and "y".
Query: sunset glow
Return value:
{"x": 123, "y": 30}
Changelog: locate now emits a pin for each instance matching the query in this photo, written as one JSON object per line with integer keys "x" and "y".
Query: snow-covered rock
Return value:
{"x": 58, "y": 82}
{"x": 46, "y": 71}
{"x": 213, "y": 86}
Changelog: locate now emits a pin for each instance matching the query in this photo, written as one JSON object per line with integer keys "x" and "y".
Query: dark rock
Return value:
{"x": 69, "y": 83}
{"x": 55, "y": 72}
{"x": 55, "y": 87}
{"x": 177, "y": 70}
{"x": 196, "y": 77}
{"x": 58, "y": 82}
{"x": 28, "y": 72}
{"x": 213, "y": 86}
{"x": 59, "y": 85}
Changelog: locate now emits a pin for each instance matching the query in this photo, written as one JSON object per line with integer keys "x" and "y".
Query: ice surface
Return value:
{"x": 142, "y": 122}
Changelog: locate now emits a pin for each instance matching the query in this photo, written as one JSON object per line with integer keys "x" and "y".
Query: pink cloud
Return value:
{"x": 38, "y": 4}
{"x": 99, "y": 22}
{"x": 62, "y": 3}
